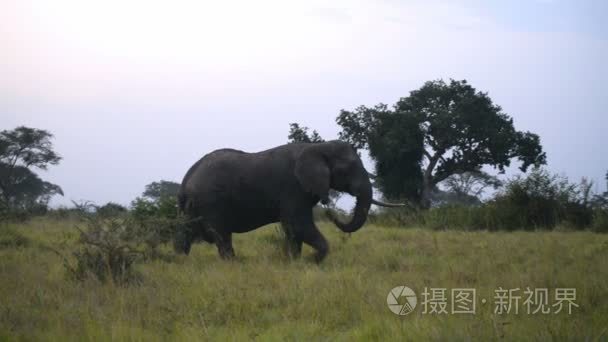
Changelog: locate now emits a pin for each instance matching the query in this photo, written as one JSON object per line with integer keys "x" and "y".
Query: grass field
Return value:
{"x": 265, "y": 296}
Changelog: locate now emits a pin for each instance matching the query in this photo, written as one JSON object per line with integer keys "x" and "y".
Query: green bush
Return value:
{"x": 104, "y": 252}
{"x": 543, "y": 200}
{"x": 142, "y": 208}
{"x": 538, "y": 201}
{"x": 164, "y": 207}
{"x": 600, "y": 221}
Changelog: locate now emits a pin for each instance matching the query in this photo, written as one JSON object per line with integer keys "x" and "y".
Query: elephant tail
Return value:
{"x": 182, "y": 201}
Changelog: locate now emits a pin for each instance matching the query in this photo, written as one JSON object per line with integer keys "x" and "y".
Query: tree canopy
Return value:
{"x": 300, "y": 134}
{"x": 440, "y": 130}
{"x": 22, "y": 150}
{"x": 161, "y": 189}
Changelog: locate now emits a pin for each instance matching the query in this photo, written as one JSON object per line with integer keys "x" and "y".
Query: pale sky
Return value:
{"x": 137, "y": 91}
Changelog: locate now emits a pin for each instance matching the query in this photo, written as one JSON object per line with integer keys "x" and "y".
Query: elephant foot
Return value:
{"x": 321, "y": 254}
{"x": 322, "y": 248}
{"x": 293, "y": 248}
{"x": 226, "y": 252}
{"x": 224, "y": 246}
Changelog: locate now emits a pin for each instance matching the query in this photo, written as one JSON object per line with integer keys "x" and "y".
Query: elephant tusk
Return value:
{"x": 388, "y": 205}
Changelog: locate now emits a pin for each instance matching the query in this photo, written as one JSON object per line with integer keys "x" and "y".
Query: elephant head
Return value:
{"x": 336, "y": 165}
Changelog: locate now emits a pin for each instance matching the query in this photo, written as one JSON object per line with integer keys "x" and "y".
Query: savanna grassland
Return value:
{"x": 262, "y": 295}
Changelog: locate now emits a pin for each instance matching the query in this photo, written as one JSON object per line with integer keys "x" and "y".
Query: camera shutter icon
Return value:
{"x": 401, "y": 300}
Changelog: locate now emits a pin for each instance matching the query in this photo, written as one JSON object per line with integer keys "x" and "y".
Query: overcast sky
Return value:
{"x": 137, "y": 91}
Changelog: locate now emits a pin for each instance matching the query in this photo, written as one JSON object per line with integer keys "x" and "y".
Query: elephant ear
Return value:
{"x": 312, "y": 172}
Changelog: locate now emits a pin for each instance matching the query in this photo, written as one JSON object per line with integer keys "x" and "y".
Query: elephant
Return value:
{"x": 230, "y": 191}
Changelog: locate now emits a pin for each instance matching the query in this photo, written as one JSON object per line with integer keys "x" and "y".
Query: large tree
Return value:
{"x": 439, "y": 130}
{"x": 394, "y": 143}
{"x": 21, "y": 151}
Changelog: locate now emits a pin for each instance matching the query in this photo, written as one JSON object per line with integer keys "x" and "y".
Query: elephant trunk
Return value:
{"x": 364, "y": 201}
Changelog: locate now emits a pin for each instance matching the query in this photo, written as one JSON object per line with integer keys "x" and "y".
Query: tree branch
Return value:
{"x": 428, "y": 173}
{"x": 427, "y": 154}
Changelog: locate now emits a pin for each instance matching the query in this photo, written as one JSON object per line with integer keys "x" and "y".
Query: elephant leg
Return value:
{"x": 299, "y": 224}
{"x": 313, "y": 237}
{"x": 224, "y": 245}
{"x": 182, "y": 241}
{"x": 294, "y": 248}
{"x": 304, "y": 230}
{"x": 293, "y": 243}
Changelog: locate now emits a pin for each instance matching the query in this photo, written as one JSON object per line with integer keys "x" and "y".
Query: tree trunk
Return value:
{"x": 428, "y": 181}
{"x": 425, "y": 198}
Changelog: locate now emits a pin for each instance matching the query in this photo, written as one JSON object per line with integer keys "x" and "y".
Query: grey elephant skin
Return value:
{"x": 230, "y": 191}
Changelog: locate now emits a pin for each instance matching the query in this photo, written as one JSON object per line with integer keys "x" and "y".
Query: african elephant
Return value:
{"x": 230, "y": 191}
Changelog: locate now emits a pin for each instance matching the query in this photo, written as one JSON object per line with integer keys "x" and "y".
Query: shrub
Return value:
{"x": 167, "y": 207}
{"x": 142, "y": 208}
{"x": 10, "y": 238}
{"x": 111, "y": 209}
{"x": 578, "y": 215}
{"x": 108, "y": 247}
{"x": 600, "y": 221}
{"x": 64, "y": 213}
{"x": 22, "y": 214}
{"x": 543, "y": 200}
{"x": 539, "y": 200}
{"x": 104, "y": 252}
{"x": 164, "y": 207}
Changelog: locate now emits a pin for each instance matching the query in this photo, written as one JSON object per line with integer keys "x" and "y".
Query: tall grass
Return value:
{"x": 264, "y": 295}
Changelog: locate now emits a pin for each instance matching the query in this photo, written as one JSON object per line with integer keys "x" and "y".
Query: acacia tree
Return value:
{"x": 465, "y": 188}
{"x": 471, "y": 183}
{"x": 440, "y": 130}
{"x": 22, "y": 150}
